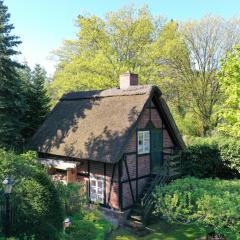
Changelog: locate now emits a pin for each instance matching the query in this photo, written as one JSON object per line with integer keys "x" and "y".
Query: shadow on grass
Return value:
{"x": 161, "y": 230}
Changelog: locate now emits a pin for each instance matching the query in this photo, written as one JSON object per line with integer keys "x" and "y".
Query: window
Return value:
{"x": 96, "y": 189}
{"x": 143, "y": 142}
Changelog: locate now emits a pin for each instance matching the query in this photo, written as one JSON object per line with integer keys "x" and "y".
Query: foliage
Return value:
{"x": 207, "y": 40}
{"x": 82, "y": 228}
{"x": 38, "y": 208}
{"x": 94, "y": 214}
{"x": 160, "y": 229}
{"x": 202, "y": 160}
{"x": 13, "y": 238}
{"x": 86, "y": 223}
{"x": 127, "y": 40}
{"x": 187, "y": 124}
{"x": 183, "y": 59}
{"x": 35, "y": 94}
{"x": 212, "y": 157}
{"x": 11, "y": 102}
{"x": 229, "y": 112}
{"x": 73, "y": 198}
{"x": 212, "y": 204}
{"x": 21, "y": 90}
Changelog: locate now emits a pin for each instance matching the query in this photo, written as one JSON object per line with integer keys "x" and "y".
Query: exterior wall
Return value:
{"x": 105, "y": 170}
{"x": 114, "y": 194}
{"x": 139, "y": 166}
{"x": 58, "y": 176}
{"x": 71, "y": 175}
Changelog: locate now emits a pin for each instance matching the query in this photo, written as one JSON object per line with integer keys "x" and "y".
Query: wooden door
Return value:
{"x": 156, "y": 150}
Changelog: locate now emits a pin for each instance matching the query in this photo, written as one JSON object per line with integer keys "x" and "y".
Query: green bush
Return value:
{"x": 81, "y": 229}
{"x": 103, "y": 227}
{"x": 37, "y": 206}
{"x": 73, "y": 197}
{"x": 201, "y": 161}
{"x": 87, "y": 229}
{"x": 212, "y": 204}
{"x": 211, "y": 157}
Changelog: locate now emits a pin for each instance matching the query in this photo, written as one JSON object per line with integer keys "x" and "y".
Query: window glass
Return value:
{"x": 96, "y": 189}
{"x": 143, "y": 142}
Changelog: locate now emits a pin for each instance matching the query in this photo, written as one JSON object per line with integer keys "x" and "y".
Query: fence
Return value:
{"x": 4, "y": 211}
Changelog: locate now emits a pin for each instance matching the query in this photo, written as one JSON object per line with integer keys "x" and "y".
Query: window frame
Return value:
{"x": 99, "y": 197}
{"x": 143, "y": 148}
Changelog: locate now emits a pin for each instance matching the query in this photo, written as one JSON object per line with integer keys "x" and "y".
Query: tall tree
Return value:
{"x": 37, "y": 99}
{"x": 106, "y": 47}
{"x": 11, "y": 101}
{"x": 207, "y": 40}
{"x": 183, "y": 59}
{"x": 229, "y": 107}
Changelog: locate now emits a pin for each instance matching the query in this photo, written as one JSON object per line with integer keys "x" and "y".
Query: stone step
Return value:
{"x": 137, "y": 217}
{"x": 134, "y": 224}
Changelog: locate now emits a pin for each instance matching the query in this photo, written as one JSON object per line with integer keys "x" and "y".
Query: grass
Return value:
{"x": 161, "y": 230}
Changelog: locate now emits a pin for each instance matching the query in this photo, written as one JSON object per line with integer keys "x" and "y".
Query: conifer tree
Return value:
{"x": 38, "y": 102}
{"x": 11, "y": 101}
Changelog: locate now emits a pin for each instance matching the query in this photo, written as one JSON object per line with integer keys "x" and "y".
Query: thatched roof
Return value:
{"x": 95, "y": 125}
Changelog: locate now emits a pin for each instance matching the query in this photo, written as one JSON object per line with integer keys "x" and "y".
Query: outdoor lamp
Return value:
{"x": 67, "y": 222}
{"x": 7, "y": 185}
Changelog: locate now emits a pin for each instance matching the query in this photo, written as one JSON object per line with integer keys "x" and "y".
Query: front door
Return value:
{"x": 156, "y": 150}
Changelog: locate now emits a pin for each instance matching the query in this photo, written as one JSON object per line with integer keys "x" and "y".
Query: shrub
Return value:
{"x": 85, "y": 228}
{"x": 212, "y": 204}
{"x": 73, "y": 197}
{"x": 81, "y": 229}
{"x": 211, "y": 157}
{"x": 38, "y": 209}
{"x": 201, "y": 161}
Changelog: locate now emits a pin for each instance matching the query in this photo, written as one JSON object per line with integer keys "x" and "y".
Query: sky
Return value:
{"x": 43, "y": 25}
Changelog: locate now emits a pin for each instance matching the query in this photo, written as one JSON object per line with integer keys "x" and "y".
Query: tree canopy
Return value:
{"x": 11, "y": 100}
{"x": 229, "y": 112}
{"x": 127, "y": 40}
{"x": 181, "y": 58}
{"x": 36, "y": 97}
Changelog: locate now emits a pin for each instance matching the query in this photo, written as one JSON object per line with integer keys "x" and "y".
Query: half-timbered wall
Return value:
{"x": 109, "y": 172}
{"x": 136, "y": 168}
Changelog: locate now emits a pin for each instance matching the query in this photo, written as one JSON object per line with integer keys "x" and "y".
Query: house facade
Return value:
{"x": 112, "y": 141}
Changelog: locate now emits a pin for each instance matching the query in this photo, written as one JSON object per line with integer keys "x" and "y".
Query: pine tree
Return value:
{"x": 38, "y": 102}
{"x": 11, "y": 101}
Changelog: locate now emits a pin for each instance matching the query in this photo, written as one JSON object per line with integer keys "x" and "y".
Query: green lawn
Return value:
{"x": 161, "y": 230}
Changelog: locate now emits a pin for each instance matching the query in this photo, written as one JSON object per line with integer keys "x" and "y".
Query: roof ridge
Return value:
{"x": 133, "y": 90}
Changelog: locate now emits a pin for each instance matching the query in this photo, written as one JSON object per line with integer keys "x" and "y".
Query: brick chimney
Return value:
{"x": 128, "y": 79}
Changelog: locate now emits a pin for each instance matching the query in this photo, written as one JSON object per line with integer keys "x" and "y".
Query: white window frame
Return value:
{"x": 96, "y": 192}
{"x": 143, "y": 141}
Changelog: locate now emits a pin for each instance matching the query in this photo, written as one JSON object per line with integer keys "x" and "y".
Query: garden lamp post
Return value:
{"x": 7, "y": 187}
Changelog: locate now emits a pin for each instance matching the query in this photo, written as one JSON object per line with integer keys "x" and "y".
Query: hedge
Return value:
{"x": 37, "y": 206}
{"x": 211, "y": 157}
{"x": 212, "y": 204}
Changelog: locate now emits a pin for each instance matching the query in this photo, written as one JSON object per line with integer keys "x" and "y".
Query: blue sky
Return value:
{"x": 43, "y": 24}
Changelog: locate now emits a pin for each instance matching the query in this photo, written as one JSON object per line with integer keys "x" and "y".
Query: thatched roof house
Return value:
{"x": 100, "y": 130}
